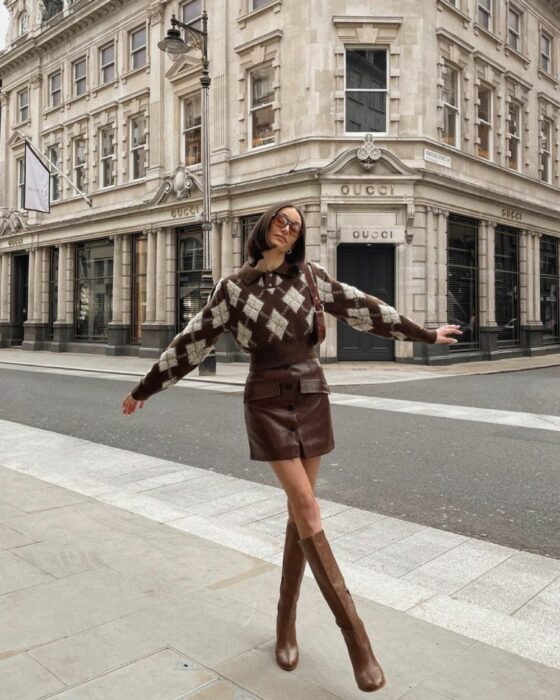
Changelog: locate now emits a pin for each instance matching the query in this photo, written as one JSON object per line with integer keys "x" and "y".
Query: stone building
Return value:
{"x": 421, "y": 140}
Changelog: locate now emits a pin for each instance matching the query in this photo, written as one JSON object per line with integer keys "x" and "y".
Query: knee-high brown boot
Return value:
{"x": 293, "y": 566}
{"x": 368, "y": 673}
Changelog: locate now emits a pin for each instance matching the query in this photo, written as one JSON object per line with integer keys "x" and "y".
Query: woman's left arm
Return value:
{"x": 367, "y": 313}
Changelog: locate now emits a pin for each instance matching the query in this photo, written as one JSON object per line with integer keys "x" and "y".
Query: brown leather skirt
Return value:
{"x": 287, "y": 412}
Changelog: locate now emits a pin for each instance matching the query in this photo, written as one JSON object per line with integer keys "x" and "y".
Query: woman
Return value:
{"x": 268, "y": 308}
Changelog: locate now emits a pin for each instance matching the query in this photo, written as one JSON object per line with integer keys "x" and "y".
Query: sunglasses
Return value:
{"x": 281, "y": 220}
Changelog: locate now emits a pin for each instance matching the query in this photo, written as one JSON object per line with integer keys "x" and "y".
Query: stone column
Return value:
{"x": 488, "y": 330}
{"x": 62, "y": 327}
{"x": 171, "y": 277}
{"x": 227, "y": 247}
{"x": 431, "y": 279}
{"x": 5, "y": 315}
{"x": 35, "y": 329}
{"x": 126, "y": 279}
{"x": 403, "y": 295}
{"x": 530, "y": 311}
{"x": 156, "y": 333}
{"x": 217, "y": 250}
{"x": 117, "y": 331}
{"x": 151, "y": 278}
{"x": 237, "y": 254}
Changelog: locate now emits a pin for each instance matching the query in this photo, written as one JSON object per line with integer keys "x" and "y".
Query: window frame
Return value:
{"x": 266, "y": 105}
{"x": 548, "y": 57}
{"x": 487, "y": 123}
{"x": 54, "y": 175}
{"x": 77, "y": 80}
{"x": 20, "y": 167}
{"x": 254, "y": 7}
{"x": 23, "y": 23}
{"x": 544, "y": 153}
{"x": 517, "y": 135}
{"x": 52, "y": 102}
{"x": 135, "y": 149}
{"x": 361, "y": 47}
{"x": 447, "y": 106}
{"x": 79, "y": 166}
{"x": 195, "y": 22}
{"x": 488, "y": 12}
{"x": 23, "y": 109}
{"x": 132, "y": 52}
{"x": 185, "y": 130}
{"x": 104, "y": 158}
{"x": 518, "y": 33}
{"x": 104, "y": 66}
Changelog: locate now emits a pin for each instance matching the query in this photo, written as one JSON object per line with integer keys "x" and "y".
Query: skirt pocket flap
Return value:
{"x": 313, "y": 385}
{"x": 261, "y": 390}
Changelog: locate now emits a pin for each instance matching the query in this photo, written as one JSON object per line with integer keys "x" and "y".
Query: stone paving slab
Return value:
{"x": 188, "y": 617}
{"x": 425, "y": 572}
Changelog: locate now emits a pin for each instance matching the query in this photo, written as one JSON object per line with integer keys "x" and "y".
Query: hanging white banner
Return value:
{"x": 36, "y": 183}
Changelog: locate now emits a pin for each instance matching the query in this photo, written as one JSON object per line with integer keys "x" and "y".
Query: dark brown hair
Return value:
{"x": 256, "y": 242}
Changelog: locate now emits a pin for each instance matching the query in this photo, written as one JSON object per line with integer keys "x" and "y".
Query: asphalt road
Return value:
{"x": 488, "y": 481}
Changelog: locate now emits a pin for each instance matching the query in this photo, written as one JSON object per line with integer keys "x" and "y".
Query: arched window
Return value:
{"x": 23, "y": 24}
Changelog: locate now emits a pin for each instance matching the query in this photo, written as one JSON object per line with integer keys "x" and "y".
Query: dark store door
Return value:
{"x": 19, "y": 296}
{"x": 371, "y": 269}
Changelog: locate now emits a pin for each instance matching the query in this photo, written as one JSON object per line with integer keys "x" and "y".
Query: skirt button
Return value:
{"x": 287, "y": 386}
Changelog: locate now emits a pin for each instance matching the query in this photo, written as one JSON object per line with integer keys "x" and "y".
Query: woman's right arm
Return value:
{"x": 186, "y": 351}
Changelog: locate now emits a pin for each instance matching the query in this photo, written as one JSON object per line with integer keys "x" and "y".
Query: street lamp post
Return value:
{"x": 175, "y": 45}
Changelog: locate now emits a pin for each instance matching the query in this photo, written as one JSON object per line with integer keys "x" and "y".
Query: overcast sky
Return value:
{"x": 3, "y": 25}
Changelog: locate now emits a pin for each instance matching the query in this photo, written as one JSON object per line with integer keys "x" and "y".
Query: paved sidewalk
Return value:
{"x": 103, "y": 604}
{"x": 337, "y": 373}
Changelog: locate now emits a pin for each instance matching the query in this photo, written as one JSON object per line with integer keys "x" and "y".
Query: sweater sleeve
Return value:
{"x": 187, "y": 350}
{"x": 365, "y": 312}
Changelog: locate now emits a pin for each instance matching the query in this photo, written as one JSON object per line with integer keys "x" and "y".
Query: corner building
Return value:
{"x": 421, "y": 140}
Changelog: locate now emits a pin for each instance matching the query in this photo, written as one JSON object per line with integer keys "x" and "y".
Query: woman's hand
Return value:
{"x": 129, "y": 405}
{"x": 443, "y": 333}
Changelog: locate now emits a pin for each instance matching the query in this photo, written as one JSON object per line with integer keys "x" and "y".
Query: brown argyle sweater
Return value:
{"x": 271, "y": 316}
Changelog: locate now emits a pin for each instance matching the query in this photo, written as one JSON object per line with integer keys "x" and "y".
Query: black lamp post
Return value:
{"x": 174, "y": 44}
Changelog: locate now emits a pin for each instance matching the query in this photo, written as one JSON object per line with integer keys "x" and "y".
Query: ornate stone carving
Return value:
{"x": 156, "y": 14}
{"x": 368, "y": 153}
{"x": 11, "y": 222}
{"x": 181, "y": 181}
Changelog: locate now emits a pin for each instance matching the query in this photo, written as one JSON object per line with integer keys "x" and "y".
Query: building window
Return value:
{"x": 462, "y": 279}
{"x": 485, "y": 118}
{"x": 192, "y": 13}
{"x": 138, "y": 52}
{"x": 54, "y": 157}
{"x": 53, "y": 290}
{"x": 23, "y": 24}
{"x": 138, "y": 280}
{"x": 261, "y": 113}
{"x": 514, "y": 136}
{"x": 366, "y": 90}
{"x": 550, "y": 285}
{"x": 514, "y": 28}
{"x": 107, "y": 151}
{"x": 79, "y": 72}
{"x": 93, "y": 290}
{"x": 192, "y": 133}
{"x": 189, "y": 276}
{"x": 247, "y": 224}
{"x": 546, "y": 151}
{"x": 21, "y": 182}
{"x": 507, "y": 286}
{"x": 259, "y": 3}
{"x": 450, "y": 134}
{"x": 55, "y": 89}
{"x": 107, "y": 63}
{"x": 138, "y": 147}
{"x": 546, "y": 52}
{"x": 485, "y": 14}
{"x": 80, "y": 163}
{"x": 23, "y": 105}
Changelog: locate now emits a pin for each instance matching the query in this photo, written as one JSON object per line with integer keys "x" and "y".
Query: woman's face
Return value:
{"x": 284, "y": 230}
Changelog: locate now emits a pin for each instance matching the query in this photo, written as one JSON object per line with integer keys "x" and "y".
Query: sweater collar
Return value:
{"x": 249, "y": 274}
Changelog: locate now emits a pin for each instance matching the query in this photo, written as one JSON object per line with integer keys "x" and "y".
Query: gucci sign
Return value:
{"x": 183, "y": 212}
{"x": 389, "y": 234}
{"x": 15, "y": 241}
{"x": 371, "y": 190}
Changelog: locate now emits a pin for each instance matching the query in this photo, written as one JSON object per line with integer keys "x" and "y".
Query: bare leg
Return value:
{"x": 311, "y": 466}
{"x": 299, "y": 489}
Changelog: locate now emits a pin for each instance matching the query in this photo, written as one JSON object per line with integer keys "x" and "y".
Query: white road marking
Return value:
{"x": 446, "y": 579}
